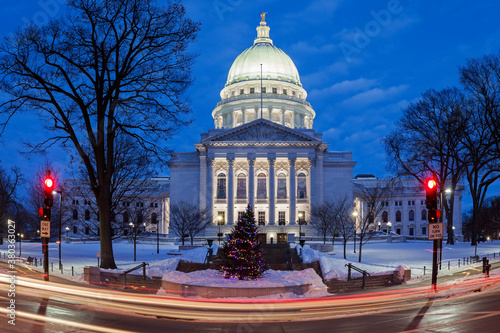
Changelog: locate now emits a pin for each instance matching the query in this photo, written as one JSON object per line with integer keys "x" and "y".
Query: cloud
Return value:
{"x": 319, "y": 8}
{"x": 374, "y": 95}
{"x": 324, "y": 74}
{"x": 344, "y": 87}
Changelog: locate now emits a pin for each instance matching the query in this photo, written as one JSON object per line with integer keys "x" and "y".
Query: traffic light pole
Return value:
{"x": 45, "y": 245}
{"x": 435, "y": 248}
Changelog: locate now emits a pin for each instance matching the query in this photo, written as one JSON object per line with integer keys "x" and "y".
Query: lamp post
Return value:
{"x": 219, "y": 222}
{"x": 134, "y": 236}
{"x": 379, "y": 224}
{"x": 60, "y": 217}
{"x": 355, "y": 217}
{"x": 300, "y": 226}
{"x": 389, "y": 236}
{"x": 20, "y": 242}
{"x": 67, "y": 234}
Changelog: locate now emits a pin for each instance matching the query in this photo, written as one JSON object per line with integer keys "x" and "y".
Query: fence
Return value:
{"x": 37, "y": 263}
{"x": 452, "y": 263}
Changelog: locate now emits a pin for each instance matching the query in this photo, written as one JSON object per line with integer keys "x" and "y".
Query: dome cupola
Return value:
{"x": 263, "y": 82}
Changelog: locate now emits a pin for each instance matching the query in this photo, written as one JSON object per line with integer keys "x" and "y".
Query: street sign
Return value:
{"x": 435, "y": 231}
{"x": 45, "y": 229}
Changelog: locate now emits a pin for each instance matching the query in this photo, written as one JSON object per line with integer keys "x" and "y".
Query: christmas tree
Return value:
{"x": 242, "y": 255}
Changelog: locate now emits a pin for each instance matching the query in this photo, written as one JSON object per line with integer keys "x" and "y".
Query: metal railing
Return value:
{"x": 143, "y": 265}
{"x": 351, "y": 267}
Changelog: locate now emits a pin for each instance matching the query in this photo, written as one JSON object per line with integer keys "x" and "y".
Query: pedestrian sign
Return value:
{"x": 435, "y": 231}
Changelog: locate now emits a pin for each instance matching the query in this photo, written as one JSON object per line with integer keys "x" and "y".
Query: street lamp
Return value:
{"x": 300, "y": 226}
{"x": 219, "y": 223}
{"x": 20, "y": 242}
{"x": 67, "y": 234}
{"x": 379, "y": 224}
{"x": 355, "y": 215}
{"x": 389, "y": 237}
{"x": 60, "y": 217}
{"x": 134, "y": 235}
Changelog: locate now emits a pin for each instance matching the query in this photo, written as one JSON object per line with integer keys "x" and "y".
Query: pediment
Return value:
{"x": 261, "y": 130}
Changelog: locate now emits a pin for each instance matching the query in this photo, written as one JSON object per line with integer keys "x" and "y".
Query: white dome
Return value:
{"x": 276, "y": 65}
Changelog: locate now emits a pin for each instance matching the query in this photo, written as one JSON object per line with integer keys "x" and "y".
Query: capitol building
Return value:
{"x": 263, "y": 151}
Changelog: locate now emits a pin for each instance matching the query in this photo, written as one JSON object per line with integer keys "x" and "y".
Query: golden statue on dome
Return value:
{"x": 263, "y": 17}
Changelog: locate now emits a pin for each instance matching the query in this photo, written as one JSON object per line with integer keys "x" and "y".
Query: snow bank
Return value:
{"x": 272, "y": 278}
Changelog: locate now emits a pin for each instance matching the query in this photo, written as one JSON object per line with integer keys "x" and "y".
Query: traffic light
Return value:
{"x": 48, "y": 189}
{"x": 431, "y": 193}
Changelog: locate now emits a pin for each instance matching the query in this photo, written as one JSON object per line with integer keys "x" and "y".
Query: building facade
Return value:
{"x": 263, "y": 151}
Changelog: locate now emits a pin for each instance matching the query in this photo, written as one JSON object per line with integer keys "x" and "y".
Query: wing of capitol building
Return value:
{"x": 264, "y": 151}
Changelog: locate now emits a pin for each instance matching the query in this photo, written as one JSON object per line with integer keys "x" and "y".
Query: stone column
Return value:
{"x": 283, "y": 117}
{"x": 319, "y": 176}
{"x": 272, "y": 191}
{"x": 243, "y": 116}
{"x": 203, "y": 180}
{"x": 293, "y": 191}
{"x": 230, "y": 191}
{"x": 251, "y": 181}
{"x": 313, "y": 188}
{"x": 210, "y": 186}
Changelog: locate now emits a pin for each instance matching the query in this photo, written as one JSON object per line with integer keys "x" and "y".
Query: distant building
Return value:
{"x": 404, "y": 207}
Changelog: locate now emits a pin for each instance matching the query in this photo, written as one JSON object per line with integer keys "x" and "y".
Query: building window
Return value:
{"x": 411, "y": 215}
{"x": 240, "y": 215}
{"x": 222, "y": 215}
{"x": 139, "y": 218}
{"x": 411, "y": 231}
{"x": 284, "y": 92}
{"x": 411, "y": 202}
{"x": 261, "y": 186}
{"x": 424, "y": 215}
{"x": 241, "y": 186}
{"x": 301, "y": 186}
{"x": 281, "y": 218}
{"x": 398, "y": 231}
{"x": 385, "y": 216}
{"x": 242, "y": 91}
{"x": 87, "y": 214}
{"x": 262, "y": 218}
{"x": 275, "y": 90}
{"x": 75, "y": 214}
{"x": 252, "y": 90}
{"x": 281, "y": 186}
{"x": 125, "y": 218}
{"x": 221, "y": 186}
{"x": 113, "y": 216}
{"x": 424, "y": 231}
{"x": 263, "y": 90}
{"x": 293, "y": 92}
{"x": 75, "y": 229}
{"x": 154, "y": 218}
{"x": 87, "y": 231}
{"x": 398, "y": 216}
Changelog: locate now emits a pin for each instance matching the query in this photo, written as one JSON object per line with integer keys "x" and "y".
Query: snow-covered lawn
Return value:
{"x": 376, "y": 257}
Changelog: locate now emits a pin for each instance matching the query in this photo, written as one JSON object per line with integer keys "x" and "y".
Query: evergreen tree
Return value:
{"x": 242, "y": 255}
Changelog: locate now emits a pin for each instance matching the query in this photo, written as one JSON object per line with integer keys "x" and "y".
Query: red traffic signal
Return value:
{"x": 49, "y": 186}
{"x": 431, "y": 193}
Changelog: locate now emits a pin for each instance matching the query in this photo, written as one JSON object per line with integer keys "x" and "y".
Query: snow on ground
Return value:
{"x": 377, "y": 257}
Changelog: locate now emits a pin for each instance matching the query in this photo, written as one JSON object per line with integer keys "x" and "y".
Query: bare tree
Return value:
{"x": 323, "y": 219}
{"x": 371, "y": 198}
{"x": 343, "y": 218}
{"x": 427, "y": 140}
{"x": 9, "y": 184}
{"x": 108, "y": 67}
{"x": 188, "y": 220}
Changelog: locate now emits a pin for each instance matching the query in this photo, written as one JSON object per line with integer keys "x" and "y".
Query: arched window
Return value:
{"x": 139, "y": 218}
{"x": 385, "y": 216}
{"x": 281, "y": 186}
{"x": 75, "y": 214}
{"x": 261, "y": 186}
{"x": 411, "y": 215}
{"x": 125, "y": 218}
{"x": 75, "y": 229}
{"x": 424, "y": 215}
{"x": 154, "y": 218}
{"x": 398, "y": 216}
{"x": 221, "y": 186}
{"x": 241, "y": 186}
{"x": 87, "y": 214}
{"x": 301, "y": 186}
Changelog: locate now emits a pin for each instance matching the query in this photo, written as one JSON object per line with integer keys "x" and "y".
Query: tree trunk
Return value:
{"x": 104, "y": 206}
{"x": 345, "y": 241}
{"x": 360, "y": 246}
{"x": 449, "y": 219}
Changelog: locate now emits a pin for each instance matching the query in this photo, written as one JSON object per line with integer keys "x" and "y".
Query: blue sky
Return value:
{"x": 360, "y": 61}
